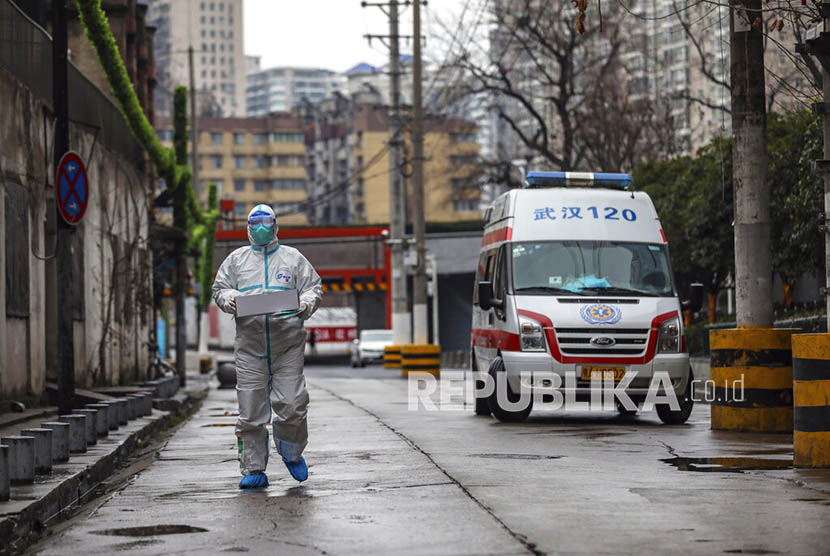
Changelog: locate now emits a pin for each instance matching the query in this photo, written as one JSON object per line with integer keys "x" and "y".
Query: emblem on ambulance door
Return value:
{"x": 600, "y": 313}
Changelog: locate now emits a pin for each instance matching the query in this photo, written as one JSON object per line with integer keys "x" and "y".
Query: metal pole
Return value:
{"x": 436, "y": 336}
{"x": 401, "y": 327}
{"x": 60, "y": 99}
{"x": 753, "y": 256}
{"x": 201, "y": 320}
{"x": 826, "y": 219}
{"x": 419, "y": 290}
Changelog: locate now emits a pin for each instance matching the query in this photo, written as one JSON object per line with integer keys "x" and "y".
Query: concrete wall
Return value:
{"x": 111, "y": 241}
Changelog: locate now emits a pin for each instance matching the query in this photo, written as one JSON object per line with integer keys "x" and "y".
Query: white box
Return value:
{"x": 267, "y": 303}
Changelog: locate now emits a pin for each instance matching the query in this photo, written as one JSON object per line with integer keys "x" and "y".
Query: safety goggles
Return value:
{"x": 261, "y": 218}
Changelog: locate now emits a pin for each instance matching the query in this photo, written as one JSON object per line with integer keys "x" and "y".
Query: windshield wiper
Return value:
{"x": 616, "y": 290}
{"x": 546, "y": 289}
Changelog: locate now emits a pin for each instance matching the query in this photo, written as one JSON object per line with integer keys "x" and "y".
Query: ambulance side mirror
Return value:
{"x": 485, "y": 295}
{"x": 695, "y": 301}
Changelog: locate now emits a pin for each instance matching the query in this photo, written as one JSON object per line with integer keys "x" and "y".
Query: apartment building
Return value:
{"x": 214, "y": 30}
{"x": 279, "y": 89}
{"x": 348, "y": 164}
{"x": 252, "y": 161}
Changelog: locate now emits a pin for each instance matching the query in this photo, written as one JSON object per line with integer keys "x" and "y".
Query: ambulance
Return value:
{"x": 574, "y": 279}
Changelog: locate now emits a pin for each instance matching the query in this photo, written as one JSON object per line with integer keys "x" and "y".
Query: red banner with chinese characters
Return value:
{"x": 332, "y": 333}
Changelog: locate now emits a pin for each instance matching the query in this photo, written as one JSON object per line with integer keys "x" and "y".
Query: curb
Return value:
{"x": 79, "y": 485}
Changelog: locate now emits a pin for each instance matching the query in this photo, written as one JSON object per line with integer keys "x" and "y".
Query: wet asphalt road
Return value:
{"x": 386, "y": 480}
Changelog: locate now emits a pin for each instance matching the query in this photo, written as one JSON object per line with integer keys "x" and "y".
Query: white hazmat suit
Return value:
{"x": 269, "y": 349}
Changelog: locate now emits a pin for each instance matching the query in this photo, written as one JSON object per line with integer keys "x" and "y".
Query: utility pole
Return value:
{"x": 753, "y": 256}
{"x": 201, "y": 322}
{"x": 419, "y": 289}
{"x": 63, "y": 261}
{"x": 401, "y": 327}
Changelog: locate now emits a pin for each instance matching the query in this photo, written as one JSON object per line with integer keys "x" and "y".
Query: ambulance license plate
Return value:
{"x": 590, "y": 371}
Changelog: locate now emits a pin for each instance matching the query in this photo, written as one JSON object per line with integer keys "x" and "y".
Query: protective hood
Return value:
{"x": 259, "y": 234}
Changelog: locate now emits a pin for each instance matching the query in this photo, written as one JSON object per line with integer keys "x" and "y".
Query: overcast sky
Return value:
{"x": 329, "y": 33}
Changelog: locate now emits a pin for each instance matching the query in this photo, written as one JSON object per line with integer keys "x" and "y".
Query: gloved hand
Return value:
{"x": 305, "y": 311}
{"x": 232, "y": 302}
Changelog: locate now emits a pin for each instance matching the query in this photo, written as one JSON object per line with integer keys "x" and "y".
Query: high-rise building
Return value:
{"x": 280, "y": 89}
{"x": 214, "y": 30}
{"x": 252, "y": 161}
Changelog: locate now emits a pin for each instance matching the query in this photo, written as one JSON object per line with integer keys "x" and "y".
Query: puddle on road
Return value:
{"x": 728, "y": 464}
{"x": 750, "y": 551}
{"x": 150, "y": 531}
{"x": 514, "y": 456}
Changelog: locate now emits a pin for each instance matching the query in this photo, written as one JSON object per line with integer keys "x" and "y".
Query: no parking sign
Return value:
{"x": 73, "y": 188}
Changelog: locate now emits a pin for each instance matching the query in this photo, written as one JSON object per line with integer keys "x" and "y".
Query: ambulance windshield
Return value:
{"x": 591, "y": 268}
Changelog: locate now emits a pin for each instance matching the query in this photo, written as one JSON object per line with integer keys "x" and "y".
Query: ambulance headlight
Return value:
{"x": 531, "y": 336}
{"x": 668, "y": 339}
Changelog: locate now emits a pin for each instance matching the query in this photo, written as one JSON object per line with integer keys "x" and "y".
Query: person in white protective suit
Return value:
{"x": 269, "y": 349}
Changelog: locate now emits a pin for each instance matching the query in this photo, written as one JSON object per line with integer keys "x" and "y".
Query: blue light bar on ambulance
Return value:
{"x": 577, "y": 179}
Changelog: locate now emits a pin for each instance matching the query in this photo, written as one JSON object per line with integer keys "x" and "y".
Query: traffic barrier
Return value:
{"x": 60, "y": 439}
{"x": 77, "y": 432}
{"x": 121, "y": 405}
{"x": 102, "y": 419}
{"x": 392, "y": 357}
{"x": 811, "y": 397}
{"x": 421, "y": 358}
{"x": 43, "y": 448}
{"x": 21, "y": 458}
{"x": 145, "y": 403}
{"x": 5, "y": 479}
{"x": 132, "y": 407}
{"x": 91, "y": 431}
{"x": 752, "y": 371}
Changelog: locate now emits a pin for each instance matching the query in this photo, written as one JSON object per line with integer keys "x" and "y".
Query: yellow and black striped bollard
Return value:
{"x": 811, "y": 396}
{"x": 752, "y": 371}
{"x": 392, "y": 357}
{"x": 421, "y": 358}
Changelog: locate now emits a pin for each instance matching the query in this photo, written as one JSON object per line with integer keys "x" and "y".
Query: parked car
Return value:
{"x": 368, "y": 347}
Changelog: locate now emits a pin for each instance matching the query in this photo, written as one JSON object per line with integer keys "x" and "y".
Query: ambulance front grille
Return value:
{"x": 577, "y": 341}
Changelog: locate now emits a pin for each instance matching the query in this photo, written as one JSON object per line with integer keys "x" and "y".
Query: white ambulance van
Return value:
{"x": 574, "y": 279}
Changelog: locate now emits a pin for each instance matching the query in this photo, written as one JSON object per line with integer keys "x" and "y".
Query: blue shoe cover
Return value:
{"x": 298, "y": 469}
{"x": 256, "y": 480}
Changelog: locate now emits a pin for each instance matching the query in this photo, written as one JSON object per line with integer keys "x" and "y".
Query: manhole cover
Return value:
{"x": 150, "y": 531}
{"x": 514, "y": 456}
{"x": 727, "y": 464}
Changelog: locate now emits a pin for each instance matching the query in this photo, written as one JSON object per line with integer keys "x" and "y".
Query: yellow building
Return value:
{"x": 349, "y": 167}
{"x": 252, "y": 160}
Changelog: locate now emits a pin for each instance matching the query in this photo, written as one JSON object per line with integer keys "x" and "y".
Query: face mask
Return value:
{"x": 262, "y": 234}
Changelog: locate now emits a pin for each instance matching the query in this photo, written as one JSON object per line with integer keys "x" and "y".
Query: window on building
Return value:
{"x": 279, "y": 137}
{"x": 238, "y": 138}
{"x": 202, "y": 20}
{"x": 212, "y": 20}
{"x": 260, "y": 138}
{"x": 202, "y": 6}
{"x": 212, "y": 33}
{"x": 464, "y": 205}
{"x": 239, "y": 185}
{"x": 218, "y": 187}
{"x": 239, "y": 162}
{"x": 284, "y": 208}
{"x": 240, "y": 209}
{"x": 203, "y": 33}
{"x": 259, "y": 185}
{"x": 215, "y": 138}
{"x": 216, "y": 161}
{"x": 463, "y": 137}
{"x": 288, "y": 160}
{"x": 259, "y": 161}
{"x": 204, "y": 73}
{"x": 288, "y": 183}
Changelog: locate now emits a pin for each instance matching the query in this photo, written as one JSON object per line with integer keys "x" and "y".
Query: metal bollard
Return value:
{"x": 43, "y": 448}
{"x": 91, "y": 416}
{"x": 146, "y": 403}
{"x": 21, "y": 458}
{"x": 102, "y": 420}
{"x": 60, "y": 440}
{"x": 5, "y": 479}
{"x": 77, "y": 432}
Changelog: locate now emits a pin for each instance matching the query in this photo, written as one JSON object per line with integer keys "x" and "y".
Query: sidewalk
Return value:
{"x": 53, "y": 496}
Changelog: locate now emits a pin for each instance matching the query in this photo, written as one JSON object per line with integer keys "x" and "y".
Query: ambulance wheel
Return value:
{"x": 681, "y": 415}
{"x": 482, "y": 404}
{"x": 498, "y": 375}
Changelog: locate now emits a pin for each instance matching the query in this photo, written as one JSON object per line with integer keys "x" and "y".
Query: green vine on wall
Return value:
{"x": 171, "y": 164}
